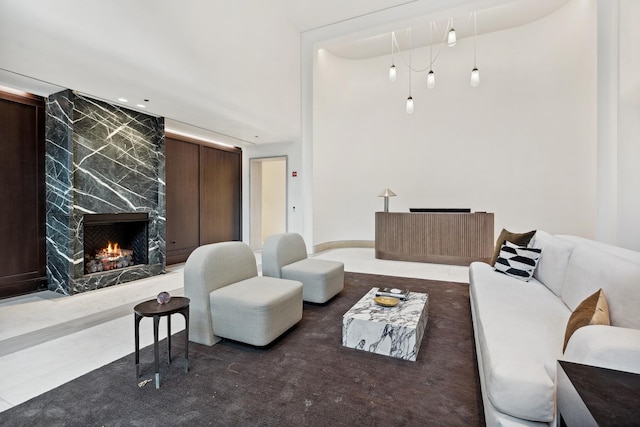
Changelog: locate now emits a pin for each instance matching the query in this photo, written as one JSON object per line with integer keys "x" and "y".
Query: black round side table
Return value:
{"x": 153, "y": 308}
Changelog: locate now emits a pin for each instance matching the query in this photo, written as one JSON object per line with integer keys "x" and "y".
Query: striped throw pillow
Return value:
{"x": 517, "y": 261}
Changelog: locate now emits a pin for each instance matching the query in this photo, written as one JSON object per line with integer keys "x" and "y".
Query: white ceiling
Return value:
{"x": 223, "y": 69}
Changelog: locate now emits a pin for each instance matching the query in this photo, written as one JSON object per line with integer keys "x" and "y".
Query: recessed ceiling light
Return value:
{"x": 123, "y": 100}
{"x": 200, "y": 138}
{"x": 141, "y": 106}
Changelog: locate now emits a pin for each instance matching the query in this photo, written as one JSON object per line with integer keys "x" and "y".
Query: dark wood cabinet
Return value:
{"x": 182, "y": 174}
{"x": 220, "y": 196}
{"x": 22, "y": 195}
{"x": 204, "y": 196}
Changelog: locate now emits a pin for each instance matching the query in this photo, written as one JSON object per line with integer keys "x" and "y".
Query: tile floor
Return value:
{"x": 47, "y": 340}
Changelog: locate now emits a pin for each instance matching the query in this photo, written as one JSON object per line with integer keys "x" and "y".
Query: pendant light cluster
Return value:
{"x": 450, "y": 38}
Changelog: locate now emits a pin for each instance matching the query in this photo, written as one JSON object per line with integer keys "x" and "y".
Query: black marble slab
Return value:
{"x": 611, "y": 397}
{"x": 100, "y": 158}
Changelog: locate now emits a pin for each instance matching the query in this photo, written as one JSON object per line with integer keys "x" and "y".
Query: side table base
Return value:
{"x": 152, "y": 308}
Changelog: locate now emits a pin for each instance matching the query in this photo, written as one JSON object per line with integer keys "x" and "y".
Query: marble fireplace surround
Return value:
{"x": 100, "y": 159}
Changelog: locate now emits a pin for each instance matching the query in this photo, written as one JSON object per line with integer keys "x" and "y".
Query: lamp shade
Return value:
{"x": 475, "y": 77}
{"x": 392, "y": 73}
{"x": 431, "y": 79}
{"x": 451, "y": 38}
{"x": 410, "y": 105}
{"x": 386, "y": 193}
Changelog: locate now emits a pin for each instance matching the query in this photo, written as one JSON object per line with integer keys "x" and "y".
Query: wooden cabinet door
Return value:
{"x": 182, "y": 174}
{"x": 220, "y": 195}
{"x": 22, "y": 187}
{"x": 204, "y": 196}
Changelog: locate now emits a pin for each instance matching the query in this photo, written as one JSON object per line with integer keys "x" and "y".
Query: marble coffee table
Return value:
{"x": 391, "y": 331}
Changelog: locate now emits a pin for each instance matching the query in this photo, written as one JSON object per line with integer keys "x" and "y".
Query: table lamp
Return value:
{"x": 386, "y": 194}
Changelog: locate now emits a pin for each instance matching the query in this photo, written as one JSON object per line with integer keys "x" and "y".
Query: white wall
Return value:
{"x": 522, "y": 145}
{"x": 629, "y": 126}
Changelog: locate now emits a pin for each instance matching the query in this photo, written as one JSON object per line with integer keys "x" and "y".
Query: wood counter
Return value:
{"x": 441, "y": 238}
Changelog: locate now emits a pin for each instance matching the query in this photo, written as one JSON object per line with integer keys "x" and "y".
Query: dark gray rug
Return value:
{"x": 305, "y": 378}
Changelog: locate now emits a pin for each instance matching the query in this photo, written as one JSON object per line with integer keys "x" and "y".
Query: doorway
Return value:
{"x": 268, "y": 192}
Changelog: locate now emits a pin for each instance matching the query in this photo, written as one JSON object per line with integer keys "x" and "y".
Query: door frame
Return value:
{"x": 255, "y": 197}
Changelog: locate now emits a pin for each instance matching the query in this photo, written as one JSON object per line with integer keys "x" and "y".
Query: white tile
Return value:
{"x": 458, "y": 273}
{"x": 34, "y": 315}
{"x": 4, "y": 405}
{"x": 363, "y": 260}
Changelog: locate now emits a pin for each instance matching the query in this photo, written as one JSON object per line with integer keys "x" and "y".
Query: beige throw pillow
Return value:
{"x": 518, "y": 239}
{"x": 594, "y": 310}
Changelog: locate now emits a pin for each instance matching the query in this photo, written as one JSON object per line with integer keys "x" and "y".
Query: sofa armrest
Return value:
{"x": 605, "y": 346}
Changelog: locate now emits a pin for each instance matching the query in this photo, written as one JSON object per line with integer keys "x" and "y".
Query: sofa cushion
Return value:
{"x": 623, "y": 253}
{"x": 608, "y": 347}
{"x": 520, "y": 333}
{"x": 554, "y": 259}
{"x": 517, "y": 262}
{"x": 520, "y": 239}
{"x": 592, "y": 311}
{"x": 590, "y": 269}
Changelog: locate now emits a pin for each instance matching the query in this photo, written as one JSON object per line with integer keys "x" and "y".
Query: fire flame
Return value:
{"x": 112, "y": 251}
{"x": 110, "y": 257}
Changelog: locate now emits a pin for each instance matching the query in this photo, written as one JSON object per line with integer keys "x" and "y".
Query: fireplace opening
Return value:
{"x": 115, "y": 241}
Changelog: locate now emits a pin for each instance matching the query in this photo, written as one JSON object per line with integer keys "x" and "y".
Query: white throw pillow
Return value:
{"x": 517, "y": 261}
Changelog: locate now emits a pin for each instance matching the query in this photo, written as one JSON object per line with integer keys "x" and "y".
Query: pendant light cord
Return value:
{"x": 393, "y": 41}
{"x": 410, "y": 56}
{"x": 430, "y": 45}
{"x": 475, "y": 36}
{"x": 432, "y": 61}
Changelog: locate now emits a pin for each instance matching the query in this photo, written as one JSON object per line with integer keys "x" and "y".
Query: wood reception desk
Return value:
{"x": 441, "y": 238}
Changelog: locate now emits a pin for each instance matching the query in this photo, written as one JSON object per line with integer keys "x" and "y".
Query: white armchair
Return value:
{"x": 285, "y": 256}
{"x": 230, "y": 300}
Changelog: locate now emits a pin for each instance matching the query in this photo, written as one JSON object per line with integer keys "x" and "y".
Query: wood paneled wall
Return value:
{"x": 204, "y": 195}
{"x": 182, "y": 174}
{"x": 442, "y": 238}
{"x": 22, "y": 194}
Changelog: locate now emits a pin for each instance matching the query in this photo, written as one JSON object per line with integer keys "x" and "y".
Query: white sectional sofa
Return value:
{"x": 520, "y": 326}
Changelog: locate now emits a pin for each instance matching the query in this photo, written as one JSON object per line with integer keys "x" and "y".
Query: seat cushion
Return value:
{"x": 257, "y": 310}
{"x": 520, "y": 328}
{"x": 321, "y": 279}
